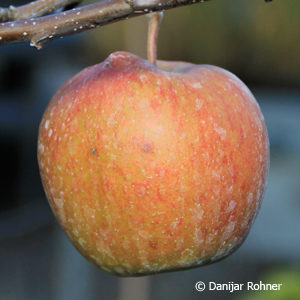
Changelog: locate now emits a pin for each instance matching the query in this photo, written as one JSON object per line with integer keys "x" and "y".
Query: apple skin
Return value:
{"x": 151, "y": 169}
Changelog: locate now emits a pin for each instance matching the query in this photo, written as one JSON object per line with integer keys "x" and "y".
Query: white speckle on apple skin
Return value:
{"x": 41, "y": 148}
{"x": 229, "y": 230}
{"x": 187, "y": 257}
{"x": 250, "y": 198}
{"x": 231, "y": 206}
{"x": 196, "y": 85}
{"x": 52, "y": 111}
{"x": 220, "y": 131}
{"x": 198, "y": 212}
{"x": 199, "y": 104}
{"x": 47, "y": 124}
{"x": 143, "y": 78}
{"x": 59, "y": 204}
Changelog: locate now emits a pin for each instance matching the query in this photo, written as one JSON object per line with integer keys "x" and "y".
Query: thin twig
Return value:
{"x": 39, "y": 31}
{"x": 33, "y": 9}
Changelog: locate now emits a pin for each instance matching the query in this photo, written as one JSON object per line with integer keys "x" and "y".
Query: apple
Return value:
{"x": 153, "y": 168}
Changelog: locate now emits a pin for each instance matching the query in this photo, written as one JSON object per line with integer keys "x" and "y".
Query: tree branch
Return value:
{"x": 39, "y": 31}
{"x": 33, "y": 9}
{"x": 31, "y": 27}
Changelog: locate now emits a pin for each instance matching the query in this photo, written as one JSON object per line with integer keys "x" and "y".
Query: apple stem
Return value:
{"x": 153, "y": 28}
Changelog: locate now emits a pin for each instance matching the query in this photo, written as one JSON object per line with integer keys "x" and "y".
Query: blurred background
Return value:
{"x": 260, "y": 43}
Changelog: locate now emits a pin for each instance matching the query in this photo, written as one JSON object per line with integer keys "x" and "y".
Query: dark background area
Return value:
{"x": 258, "y": 42}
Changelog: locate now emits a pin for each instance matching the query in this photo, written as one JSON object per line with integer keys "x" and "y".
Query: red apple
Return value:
{"x": 153, "y": 168}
